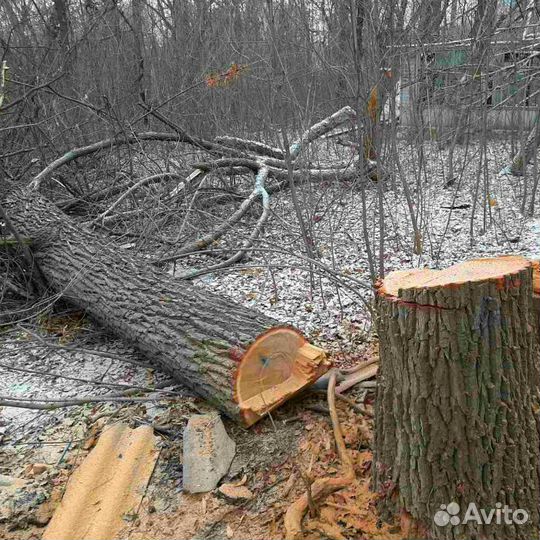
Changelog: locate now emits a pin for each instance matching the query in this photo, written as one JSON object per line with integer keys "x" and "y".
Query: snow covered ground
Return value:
{"x": 331, "y": 309}
{"x": 276, "y": 281}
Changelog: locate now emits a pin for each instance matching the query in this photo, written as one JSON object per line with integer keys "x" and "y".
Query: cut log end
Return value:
{"x": 497, "y": 269}
{"x": 278, "y": 365}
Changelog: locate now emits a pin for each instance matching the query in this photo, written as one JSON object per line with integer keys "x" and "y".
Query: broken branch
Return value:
{"x": 76, "y": 153}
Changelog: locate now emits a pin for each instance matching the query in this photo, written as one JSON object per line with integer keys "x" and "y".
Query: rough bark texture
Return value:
{"x": 536, "y": 296}
{"x": 526, "y": 153}
{"x": 198, "y": 337}
{"x": 457, "y": 399}
{"x": 536, "y": 304}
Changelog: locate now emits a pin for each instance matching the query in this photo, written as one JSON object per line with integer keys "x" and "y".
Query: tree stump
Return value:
{"x": 457, "y": 400}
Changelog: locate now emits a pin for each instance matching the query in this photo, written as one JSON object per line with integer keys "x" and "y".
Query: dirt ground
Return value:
{"x": 37, "y": 463}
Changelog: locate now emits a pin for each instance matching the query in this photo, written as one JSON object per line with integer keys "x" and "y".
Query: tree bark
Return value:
{"x": 61, "y": 27}
{"x": 536, "y": 305}
{"x": 529, "y": 148}
{"x": 141, "y": 82}
{"x": 238, "y": 359}
{"x": 457, "y": 395}
{"x": 536, "y": 297}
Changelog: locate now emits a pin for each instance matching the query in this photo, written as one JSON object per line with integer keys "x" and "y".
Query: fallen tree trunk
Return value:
{"x": 456, "y": 399}
{"x": 238, "y": 359}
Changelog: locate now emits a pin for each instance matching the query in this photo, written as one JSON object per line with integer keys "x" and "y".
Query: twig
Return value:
{"x": 213, "y": 147}
{"x": 349, "y": 401}
{"x": 76, "y": 153}
{"x": 354, "y": 405}
{"x": 317, "y": 407}
{"x": 140, "y": 183}
{"x": 240, "y": 254}
{"x": 313, "y": 509}
{"x": 86, "y": 381}
{"x": 206, "y": 240}
{"x": 365, "y": 372}
{"x": 103, "y": 354}
{"x": 4, "y": 108}
{"x": 51, "y": 404}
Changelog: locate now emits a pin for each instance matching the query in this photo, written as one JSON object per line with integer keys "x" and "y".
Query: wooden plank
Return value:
{"x": 108, "y": 485}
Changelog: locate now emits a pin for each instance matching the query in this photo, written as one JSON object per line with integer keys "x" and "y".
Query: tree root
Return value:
{"x": 322, "y": 487}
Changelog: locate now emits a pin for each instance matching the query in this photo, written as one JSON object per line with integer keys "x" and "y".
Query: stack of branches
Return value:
{"x": 271, "y": 170}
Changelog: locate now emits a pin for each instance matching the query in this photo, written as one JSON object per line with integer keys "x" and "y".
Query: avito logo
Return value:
{"x": 500, "y": 515}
